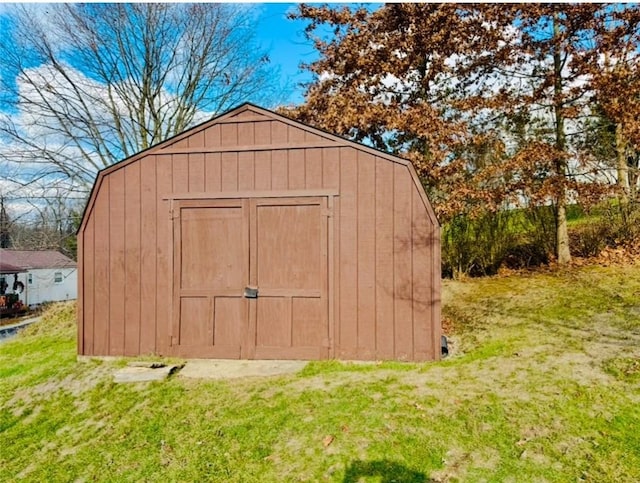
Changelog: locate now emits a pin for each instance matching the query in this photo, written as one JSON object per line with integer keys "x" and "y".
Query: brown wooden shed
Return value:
{"x": 257, "y": 237}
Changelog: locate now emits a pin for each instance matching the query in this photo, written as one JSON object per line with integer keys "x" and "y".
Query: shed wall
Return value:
{"x": 386, "y": 246}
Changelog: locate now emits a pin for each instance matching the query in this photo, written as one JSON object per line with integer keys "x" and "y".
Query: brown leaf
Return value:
{"x": 327, "y": 440}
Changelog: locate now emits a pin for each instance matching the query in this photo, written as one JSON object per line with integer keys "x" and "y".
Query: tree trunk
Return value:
{"x": 562, "y": 234}
{"x": 622, "y": 166}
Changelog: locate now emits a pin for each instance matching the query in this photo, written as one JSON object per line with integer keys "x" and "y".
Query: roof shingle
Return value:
{"x": 36, "y": 259}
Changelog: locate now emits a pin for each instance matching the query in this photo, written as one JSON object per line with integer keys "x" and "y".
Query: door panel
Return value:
{"x": 197, "y": 312}
{"x": 211, "y": 267}
{"x": 290, "y": 270}
{"x": 273, "y": 328}
{"x": 230, "y": 321}
{"x": 288, "y": 247}
{"x": 211, "y": 248}
{"x": 307, "y": 322}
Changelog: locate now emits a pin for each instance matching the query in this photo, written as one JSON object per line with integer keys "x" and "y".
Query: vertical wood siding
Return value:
{"x": 366, "y": 243}
{"x": 148, "y": 244}
{"x": 386, "y": 272}
{"x": 347, "y": 343}
{"x": 132, "y": 259}
{"x": 99, "y": 285}
{"x": 164, "y": 251}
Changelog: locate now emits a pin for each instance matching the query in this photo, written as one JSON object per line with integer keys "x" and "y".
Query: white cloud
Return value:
{"x": 32, "y": 167}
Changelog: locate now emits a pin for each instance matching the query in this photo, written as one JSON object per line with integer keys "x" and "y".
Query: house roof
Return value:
{"x": 8, "y": 268}
{"x": 27, "y": 259}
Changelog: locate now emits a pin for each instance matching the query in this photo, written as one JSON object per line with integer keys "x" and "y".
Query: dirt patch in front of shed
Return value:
{"x": 232, "y": 369}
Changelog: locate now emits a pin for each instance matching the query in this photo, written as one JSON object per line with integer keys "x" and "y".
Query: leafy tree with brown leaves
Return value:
{"x": 484, "y": 99}
{"x": 544, "y": 70}
{"x": 385, "y": 77}
{"x": 615, "y": 71}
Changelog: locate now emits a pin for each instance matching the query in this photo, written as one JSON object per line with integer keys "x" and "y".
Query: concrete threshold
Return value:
{"x": 231, "y": 369}
{"x": 141, "y": 372}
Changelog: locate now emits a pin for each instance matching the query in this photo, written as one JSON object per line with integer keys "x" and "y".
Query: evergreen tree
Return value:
{"x": 5, "y": 225}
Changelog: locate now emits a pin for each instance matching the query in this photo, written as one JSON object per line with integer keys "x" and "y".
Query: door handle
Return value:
{"x": 251, "y": 292}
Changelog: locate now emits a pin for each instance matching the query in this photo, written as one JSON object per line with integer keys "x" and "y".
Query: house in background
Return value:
{"x": 49, "y": 275}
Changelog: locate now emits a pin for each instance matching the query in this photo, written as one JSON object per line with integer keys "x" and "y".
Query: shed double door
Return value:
{"x": 251, "y": 278}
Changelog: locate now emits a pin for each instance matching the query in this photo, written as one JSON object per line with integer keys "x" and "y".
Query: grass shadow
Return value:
{"x": 387, "y": 471}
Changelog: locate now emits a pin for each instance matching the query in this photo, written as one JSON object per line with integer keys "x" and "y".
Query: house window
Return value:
{"x": 57, "y": 277}
{"x": 30, "y": 278}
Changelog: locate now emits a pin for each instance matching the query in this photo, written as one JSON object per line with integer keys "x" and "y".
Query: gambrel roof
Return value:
{"x": 249, "y": 112}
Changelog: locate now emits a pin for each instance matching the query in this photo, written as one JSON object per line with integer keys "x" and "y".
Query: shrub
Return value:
{"x": 481, "y": 245}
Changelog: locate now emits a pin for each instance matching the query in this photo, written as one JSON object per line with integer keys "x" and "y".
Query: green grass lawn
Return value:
{"x": 543, "y": 384}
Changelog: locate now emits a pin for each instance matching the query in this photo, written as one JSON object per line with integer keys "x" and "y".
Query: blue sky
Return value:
{"x": 284, "y": 40}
